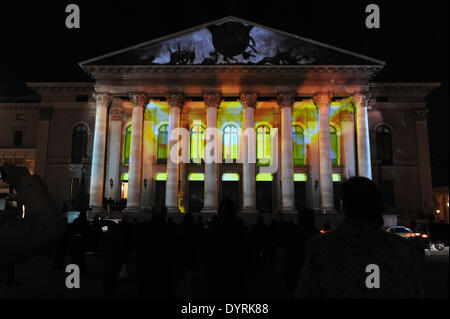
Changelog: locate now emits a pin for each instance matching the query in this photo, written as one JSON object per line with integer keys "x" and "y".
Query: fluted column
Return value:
{"x": 135, "y": 167}
{"x": 249, "y": 102}
{"x": 285, "y": 102}
{"x": 362, "y": 133}
{"x": 176, "y": 101}
{"x": 114, "y": 151}
{"x": 423, "y": 150}
{"x": 323, "y": 101}
{"x": 348, "y": 133}
{"x": 212, "y": 101}
{"x": 102, "y": 101}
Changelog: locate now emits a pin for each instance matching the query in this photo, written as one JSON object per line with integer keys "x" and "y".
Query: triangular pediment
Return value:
{"x": 232, "y": 41}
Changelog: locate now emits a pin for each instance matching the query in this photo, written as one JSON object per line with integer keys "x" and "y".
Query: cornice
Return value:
{"x": 229, "y": 68}
{"x": 399, "y": 87}
{"x": 61, "y": 86}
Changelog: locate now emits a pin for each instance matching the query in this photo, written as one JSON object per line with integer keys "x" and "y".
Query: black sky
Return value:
{"x": 35, "y": 45}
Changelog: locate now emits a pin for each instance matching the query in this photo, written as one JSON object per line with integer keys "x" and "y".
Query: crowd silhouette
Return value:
{"x": 228, "y": 253}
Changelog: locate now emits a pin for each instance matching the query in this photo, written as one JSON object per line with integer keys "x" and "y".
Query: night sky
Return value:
{"x": 413, "y": 39}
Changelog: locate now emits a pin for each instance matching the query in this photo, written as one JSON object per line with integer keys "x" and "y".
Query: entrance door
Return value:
{"x": 264, "y": 197}
{"x": 300, "y": 195}
{"x": 160, "y": 193}
{"x": 336, "y": 197}
{"x": 196, "y": 195}
{"x": 230, "y": 190}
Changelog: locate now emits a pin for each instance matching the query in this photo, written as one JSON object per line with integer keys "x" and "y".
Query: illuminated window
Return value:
{"x": 384, "y": 145}
{"x": 230, "y": 143}
{"x": 163, "y": 144}
{"x": 197, "y": 143}
{"x": 298, "y": 139}
{"x": 127, "y": 146}
{"x": 79, "y": 143}
{"x": 334, "y": 141}
{"x": 263, "y": 145}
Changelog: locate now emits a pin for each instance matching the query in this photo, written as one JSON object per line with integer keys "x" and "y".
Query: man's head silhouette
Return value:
{"x": 361, "y": 200}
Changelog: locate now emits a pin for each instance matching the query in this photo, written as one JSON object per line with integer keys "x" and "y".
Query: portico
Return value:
{"x": 295, "y": 116}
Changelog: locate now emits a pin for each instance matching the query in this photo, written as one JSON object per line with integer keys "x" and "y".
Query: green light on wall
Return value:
{"x": 196, "y": 177}
{"x": 336, "y": 178}
{"x": 230, "y": 177}
{"x": 161, "y": 176}
{"x": 264, "y": 177}
{"x": 301, "y": 177}
{"x": 124, "y": 177}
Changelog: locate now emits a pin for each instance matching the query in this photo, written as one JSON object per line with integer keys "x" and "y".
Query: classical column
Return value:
{"x": 114, "y": 150}
{"x": 313, "y": 160}
{"x": 249, "y": 102}
{"x": 45, "y": 115}
{"x": 176, "y": 101}
{"x": 362, "y": 133}
{"x": 424, "y": 158}
{"x": 323, "y": 101}
{"x": 148, "y": 158}
{"x": 348, "y": 139}
{"x": 285, "y": 102}
{"x": 135, "y": 167}
{"x": 102, "y": 101}
{"x": 212, "y": 101}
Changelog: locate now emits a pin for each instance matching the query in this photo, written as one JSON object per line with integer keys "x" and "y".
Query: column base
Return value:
{"x": 249, "y": 211}
{"x": 288, "y": 210}
{"x": 132, "y": 209}
{"x": 173, "y": 210}
{"x": 209, "y": 210}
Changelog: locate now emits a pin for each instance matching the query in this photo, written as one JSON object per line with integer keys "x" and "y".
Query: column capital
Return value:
{"x": 421, "y": 115}
{"x": 360, "y": 100}
{"x": 116, "y": 111}
{"x": 102, "y": 99}
{"x": 323, "y": 99}
{"x": 285, "y": 99}
{"x": 249, "y": 99}
{"x": 211, "y": 99}
{"x": 175, "y": 99}
{"x": 139, "y": 99}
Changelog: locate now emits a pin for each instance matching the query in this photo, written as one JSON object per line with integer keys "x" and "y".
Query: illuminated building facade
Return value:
{"x": 331, "y": 122}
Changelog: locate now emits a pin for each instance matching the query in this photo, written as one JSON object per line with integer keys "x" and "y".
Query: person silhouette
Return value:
{"x": 337, "y": 261}
{"x": 229, "y": 255}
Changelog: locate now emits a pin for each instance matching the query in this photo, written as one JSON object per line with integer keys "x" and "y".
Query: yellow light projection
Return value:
{"x": 161, "y": 176}
{"x": 264, "y": 177}
{"x": 196, "y": 177}
{"x": 300, "y": 177}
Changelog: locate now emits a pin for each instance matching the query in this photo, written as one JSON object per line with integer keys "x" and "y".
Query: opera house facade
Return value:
{"x": 230, "y": 109}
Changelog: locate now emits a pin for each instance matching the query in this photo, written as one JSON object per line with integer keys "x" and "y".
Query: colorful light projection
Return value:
{"x": 196, "y": 177}
{"x": 300, "y": 177}
{"x": 264, "y": 177}
{"x": 229, "y": 122}
{"x": 161, "y": 177}
{"x": 230, "y": 177}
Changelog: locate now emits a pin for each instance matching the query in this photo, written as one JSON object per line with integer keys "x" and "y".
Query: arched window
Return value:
{"x": 79, "y": 143}
{"x": 230, "y": 143}
{"x": 163, "y": 144}
{"x": 197, "y": 143}
{"x": 263, "y": 145}
{"x": 384, "y": 145}
{"x": 298, "y": 139}
{"x": 127, "y": 145}
{"x": 334, "y": 141}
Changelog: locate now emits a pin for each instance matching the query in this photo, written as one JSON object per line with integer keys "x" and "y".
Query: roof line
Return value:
{"x": 242, "y": 20}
